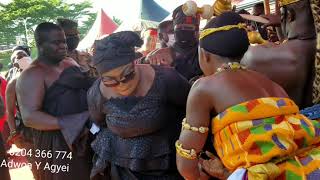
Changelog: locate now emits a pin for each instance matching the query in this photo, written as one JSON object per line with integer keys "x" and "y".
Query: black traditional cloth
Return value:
{"x": 66, "y": 99}
{"x": 138, "y": 142}
{"x": 187, "y": 63}
{"x": 186, "y": 45}
{"x": 26, "y": 132}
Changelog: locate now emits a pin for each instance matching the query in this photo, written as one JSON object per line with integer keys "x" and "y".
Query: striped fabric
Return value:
{"x": 268, "y": 130}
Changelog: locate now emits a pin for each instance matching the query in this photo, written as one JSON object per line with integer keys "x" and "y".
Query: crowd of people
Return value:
{"x": 176, "y": 102}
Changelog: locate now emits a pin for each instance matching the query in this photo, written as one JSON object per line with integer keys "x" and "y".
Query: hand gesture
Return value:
{"x": 161, "y": 56}
{"x": 214, "y": 167}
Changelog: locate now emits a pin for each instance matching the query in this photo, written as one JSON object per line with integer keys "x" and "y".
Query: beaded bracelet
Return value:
{"x": 187, "y": 126}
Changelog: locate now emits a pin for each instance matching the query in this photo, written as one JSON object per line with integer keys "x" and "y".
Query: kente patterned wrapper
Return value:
{"x": 268, "y": 130}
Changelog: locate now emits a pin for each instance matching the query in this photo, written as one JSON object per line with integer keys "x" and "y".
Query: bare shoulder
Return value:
{"x": 12, "y": 84}
{"x": 33, "y": 71}
{"x": 33, "y": 75}
{"x": 268, "y": 55}
{"x": 202, "y": 87}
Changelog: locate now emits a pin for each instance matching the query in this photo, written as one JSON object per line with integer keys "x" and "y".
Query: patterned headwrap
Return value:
{"x": 116, "y": 50}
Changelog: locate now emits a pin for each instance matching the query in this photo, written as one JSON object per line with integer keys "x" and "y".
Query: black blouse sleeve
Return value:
{"x": 95, "y": 104}
{"x": 177, "y": 87}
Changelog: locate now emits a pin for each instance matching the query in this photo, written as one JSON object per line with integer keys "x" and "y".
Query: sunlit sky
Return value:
{"x": 127, "y": 9}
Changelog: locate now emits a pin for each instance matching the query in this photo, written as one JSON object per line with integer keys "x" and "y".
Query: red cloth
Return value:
{"x": 3, "y": 95}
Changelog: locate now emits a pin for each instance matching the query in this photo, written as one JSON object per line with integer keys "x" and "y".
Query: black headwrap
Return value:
{"x": 116, "y": 50}
{"x": 231, "y": 43}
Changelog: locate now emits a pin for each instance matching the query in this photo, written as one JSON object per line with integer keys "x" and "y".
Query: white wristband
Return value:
{"x": 94, "y": 129}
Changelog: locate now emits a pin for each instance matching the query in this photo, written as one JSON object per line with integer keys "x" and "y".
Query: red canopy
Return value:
{"x": 107, "y": 26}
{"x": 102, "y": 26}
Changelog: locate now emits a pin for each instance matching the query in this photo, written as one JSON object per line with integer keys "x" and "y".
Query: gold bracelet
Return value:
{"x": 187, "y": 126}
{"x": 14, "y": 132}
{"x": 185, "y": 153}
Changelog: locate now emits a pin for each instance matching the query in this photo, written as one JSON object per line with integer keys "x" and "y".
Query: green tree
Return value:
{"x": 16, "y": 14}
{"x": 86, "y": 25}
{"x": 117, "y": 21}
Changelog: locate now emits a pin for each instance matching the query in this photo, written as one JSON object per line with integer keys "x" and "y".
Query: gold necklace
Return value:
{"x": 230, "y": 66}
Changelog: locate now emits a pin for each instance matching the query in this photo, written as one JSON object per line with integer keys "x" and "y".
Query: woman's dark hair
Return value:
{"x": 232, "y": 43}
{"x": 23, "y": 48}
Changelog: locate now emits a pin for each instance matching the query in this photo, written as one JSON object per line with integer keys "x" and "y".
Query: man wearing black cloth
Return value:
{"x": 52, "y": 100}
{"x": 183, "y": 56}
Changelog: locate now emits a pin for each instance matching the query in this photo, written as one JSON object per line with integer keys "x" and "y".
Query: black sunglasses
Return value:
{"x": 112, "y": 82}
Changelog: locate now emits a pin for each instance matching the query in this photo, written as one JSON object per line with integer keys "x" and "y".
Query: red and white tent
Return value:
{"x": 102, "y": 26}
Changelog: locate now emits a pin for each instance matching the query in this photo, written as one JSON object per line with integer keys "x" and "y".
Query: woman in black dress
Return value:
{"x": 140, "y": 108}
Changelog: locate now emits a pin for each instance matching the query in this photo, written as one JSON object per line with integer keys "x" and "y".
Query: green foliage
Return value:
{"x": 12, "y": 15}
{"x": 5, "y": 60}
{"x": 85, "y": 27}
{"x": 117, "y": 21}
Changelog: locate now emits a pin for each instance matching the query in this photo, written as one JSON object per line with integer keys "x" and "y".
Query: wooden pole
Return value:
{"x": 266, "y": 7}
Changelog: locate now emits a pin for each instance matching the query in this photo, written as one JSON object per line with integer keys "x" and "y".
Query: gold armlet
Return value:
{"x": 185, "y": 153}
{"x": 187, "y": 126}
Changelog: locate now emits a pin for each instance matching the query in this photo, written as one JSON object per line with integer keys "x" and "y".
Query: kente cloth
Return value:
{"x": 65, "y": 99}
{"x": 138, "y": 142}
{"x": 268, "y": 130}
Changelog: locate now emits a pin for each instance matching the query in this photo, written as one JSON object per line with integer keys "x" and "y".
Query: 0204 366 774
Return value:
{"x": 44, "y": 154}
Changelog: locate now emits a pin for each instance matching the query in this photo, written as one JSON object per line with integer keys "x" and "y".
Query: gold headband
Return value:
{"x": 209, "y": 31}
{"x": 287, "y": 2}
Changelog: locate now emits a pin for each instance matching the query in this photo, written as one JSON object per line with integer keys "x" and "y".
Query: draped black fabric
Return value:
{"x": 187, "y": 63}
{"x": 139, "y": 140}
{"x": 66, "y": 99}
